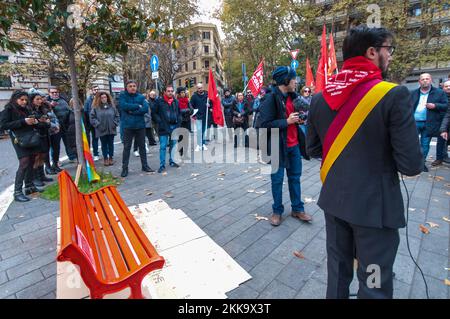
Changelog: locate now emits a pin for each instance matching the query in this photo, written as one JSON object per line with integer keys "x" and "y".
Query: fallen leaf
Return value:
{"x": 309, "y": 200}
{"x": 447, "y": 282}
{"x": 256, "y": 170}
{"x": 250, "y": 190}
{"x": 432, "y": 225}
{"x": 258, "y": 177}
{"x": 448, "y": 269}
{"x": 447, "y": 185}
{"x": 446, "y": 219}
{"x": 423, "y": 229}
{"x": 194, "y": 174}
{"x": 438, "y": 178}
{"x": 448, "y": 193}
{"x": 411, "y": 209}
{"x": 200, "y": 193}
{"x": 260, "y": 217}
{"x": 260, "y": 192}
{"x": 164, "y": 173}
{"x": 149, "y": 193}
{"x": 245, "y": 171}
{"x": 220, "y": 179}
{"x": 168, "y": 194}
{"x": 221, "y": 174}
{"x": 299, "y": 254}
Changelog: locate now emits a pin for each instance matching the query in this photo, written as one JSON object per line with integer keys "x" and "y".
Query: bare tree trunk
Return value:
{"x": 76, "y": 106}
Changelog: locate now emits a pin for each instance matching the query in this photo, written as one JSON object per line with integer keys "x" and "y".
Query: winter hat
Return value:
{"x": 283, "y": 74}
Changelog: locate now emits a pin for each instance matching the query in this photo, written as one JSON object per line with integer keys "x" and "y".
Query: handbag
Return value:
{"x": 238, "y": 120}
{"x": 28, "y": 139}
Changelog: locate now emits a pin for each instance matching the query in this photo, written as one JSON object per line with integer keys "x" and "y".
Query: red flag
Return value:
{"x": 309, "y": 75}
{"x": 256, "y": 81}
{"x": 213, "y": 96}
{"x": 321, "y": 75}
{"x": 332, "y": 62}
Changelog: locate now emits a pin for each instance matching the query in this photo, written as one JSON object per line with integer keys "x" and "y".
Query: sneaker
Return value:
{"x": 147, "y": 149}
{"x": 161, "y": 169}
{"x": 136, "y": 153}
{"x": 197, "y": 148}
{"x": 173, "y": 164}
{"x": 204, "y": 147}
{"x": 96, "y": 158}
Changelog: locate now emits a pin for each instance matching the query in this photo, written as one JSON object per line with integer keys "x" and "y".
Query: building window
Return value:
{"x": 5, "y": 80}
{"x": 195, "y": 80}
{"x": 415, "y": 10}
{"x": 206, "y": 35}
{"x": 186, "y": 67}
{"x": 206, "y": 64}
{"x": 194, "y": 65}
{"x": 206, "y": 79}
{"x": 445, "y": 30}
{"x": 179, "y": 82}
{"x": 194, "y": 50}
{"x": 206, "y": 49}
{"x": 193, "y": 37}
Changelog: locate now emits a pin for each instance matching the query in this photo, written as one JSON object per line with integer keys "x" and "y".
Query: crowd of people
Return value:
{"x": 360, "y": 196}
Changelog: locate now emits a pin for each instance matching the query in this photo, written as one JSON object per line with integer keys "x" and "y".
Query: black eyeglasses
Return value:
{"x": 307, "y": 91}
{"x": 391, "y": 48}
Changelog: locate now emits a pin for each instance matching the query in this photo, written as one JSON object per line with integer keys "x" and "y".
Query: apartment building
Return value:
{"x": 201, "y": 51}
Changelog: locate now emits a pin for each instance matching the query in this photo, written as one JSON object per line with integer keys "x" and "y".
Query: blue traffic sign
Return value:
{"x": 294, "y": 64}
{"x": 154, "y": 63}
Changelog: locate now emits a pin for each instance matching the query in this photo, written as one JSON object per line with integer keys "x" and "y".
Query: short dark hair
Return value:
{"x": 53, "y": 88}
{"x": 360, "y": 38}
{"x": 168, "y": 86}
{"x": 130, "y": 81}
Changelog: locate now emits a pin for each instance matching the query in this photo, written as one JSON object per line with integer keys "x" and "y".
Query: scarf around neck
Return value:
{"x": 355, "y": 71}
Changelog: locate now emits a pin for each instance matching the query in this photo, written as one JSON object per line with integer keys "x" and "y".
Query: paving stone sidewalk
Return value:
{"x": 217, "y": 199}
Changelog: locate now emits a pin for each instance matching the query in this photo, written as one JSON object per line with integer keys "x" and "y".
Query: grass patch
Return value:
{"x": 51, "y": 192}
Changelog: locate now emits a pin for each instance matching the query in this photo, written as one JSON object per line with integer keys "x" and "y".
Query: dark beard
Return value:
{"x": 383, "y": 67}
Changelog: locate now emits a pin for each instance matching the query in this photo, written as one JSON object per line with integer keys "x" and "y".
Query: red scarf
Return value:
{"x": 184, "y": 102}
{"x": 168, "y": 100}
{"x": 340, "y": 86}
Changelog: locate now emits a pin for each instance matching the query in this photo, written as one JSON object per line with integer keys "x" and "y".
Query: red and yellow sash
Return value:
{"x": 349, "y": 119}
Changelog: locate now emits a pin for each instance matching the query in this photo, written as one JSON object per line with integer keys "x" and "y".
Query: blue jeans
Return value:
{"x": 107, "y": 142}
{"x": 293, "y": 173}
{"x": 425, "y": 141}
{"x": 201, "y": 128}
{"x": 163, "y": 141}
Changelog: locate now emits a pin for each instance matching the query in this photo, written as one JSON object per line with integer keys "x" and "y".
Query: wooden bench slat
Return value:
{"x": 88, "y": 230}
{"x": 151, "y": 251}
{"x": 107, "y": 267}
{"x": 130, "y": 230}
{"x": 111, "y": 240}
{"x": 125, "y": 248}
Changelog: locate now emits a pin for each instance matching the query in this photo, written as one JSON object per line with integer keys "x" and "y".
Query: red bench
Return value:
{"x": 100, "y": 235}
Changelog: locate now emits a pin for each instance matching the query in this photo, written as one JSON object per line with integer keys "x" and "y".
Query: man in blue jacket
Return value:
{"x": 430, "y": 105}
{"x": 133, "y": 107}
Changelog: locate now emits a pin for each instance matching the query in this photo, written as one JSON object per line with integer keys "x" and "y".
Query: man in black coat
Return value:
{"x": 277, "y": 112}
{"x": 430, "y": 105}
{"x": 446, "y": 121}
{"x": 361, "y": 195}
{"x": 199, "y": 101}
{"x": 166, "y": 113}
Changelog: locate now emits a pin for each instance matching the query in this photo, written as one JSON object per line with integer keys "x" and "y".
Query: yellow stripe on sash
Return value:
{"x": 359, "y": 114}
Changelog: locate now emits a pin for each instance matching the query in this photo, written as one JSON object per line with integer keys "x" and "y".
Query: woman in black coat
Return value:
{"x": 241, "y": 111}
{"x": 40, "y": 109}
{"x": 18, "y": 119}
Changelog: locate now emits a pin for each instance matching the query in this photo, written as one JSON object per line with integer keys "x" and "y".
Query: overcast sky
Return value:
{"x": 207, "y": 8}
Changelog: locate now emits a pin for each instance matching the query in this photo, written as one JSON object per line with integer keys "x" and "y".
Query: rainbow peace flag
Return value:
{"x": 90, "y": 167}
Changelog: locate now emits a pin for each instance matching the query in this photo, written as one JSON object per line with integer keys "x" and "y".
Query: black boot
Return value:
{"x": 42, "y": 175}
{"x": 36, "y": 178}
{"x": 30, "y": 189}
{"x": 20, "y": 197}
{"x": 18, "y": 194}
{"x": 124, "y": 172}
{"x": 56, "y": 168}
{"x": 49, "y": 170}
